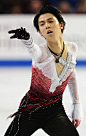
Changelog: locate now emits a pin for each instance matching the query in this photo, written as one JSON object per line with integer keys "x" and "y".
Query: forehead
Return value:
{"x": 46, "y": 16}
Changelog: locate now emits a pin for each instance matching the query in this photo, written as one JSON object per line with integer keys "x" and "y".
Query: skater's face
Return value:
{"x": 49, "y": 26}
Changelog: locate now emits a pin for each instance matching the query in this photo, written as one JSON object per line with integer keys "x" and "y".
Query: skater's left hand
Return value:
{"x": 76, "y": 123}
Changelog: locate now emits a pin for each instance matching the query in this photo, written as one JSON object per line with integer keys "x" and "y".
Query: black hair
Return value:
{"x": 49, "y": 9}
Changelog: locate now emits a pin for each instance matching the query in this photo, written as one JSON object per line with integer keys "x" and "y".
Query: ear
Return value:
{"x": 40, "y": 33}
{"x": 62, "y": 25}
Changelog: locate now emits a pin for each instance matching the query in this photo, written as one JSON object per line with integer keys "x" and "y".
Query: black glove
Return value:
{"x": 19, "y": 34}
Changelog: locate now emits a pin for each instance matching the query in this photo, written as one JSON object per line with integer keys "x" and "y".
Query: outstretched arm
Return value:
{"x": 33, "y": 49}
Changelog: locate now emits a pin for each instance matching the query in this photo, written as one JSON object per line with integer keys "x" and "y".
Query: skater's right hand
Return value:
{"x": 19, "y": 34}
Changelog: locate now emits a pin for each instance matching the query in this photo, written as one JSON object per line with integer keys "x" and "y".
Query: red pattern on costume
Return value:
{"x": 40, "y": 85}
{"x": 39, "y": 92}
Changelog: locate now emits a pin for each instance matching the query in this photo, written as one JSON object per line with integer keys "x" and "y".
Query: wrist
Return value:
{"x": 76, "y": 111}
{"x": 28, "y": 43}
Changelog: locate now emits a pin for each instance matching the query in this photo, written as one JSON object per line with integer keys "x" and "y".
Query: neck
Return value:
{"x": 56, "y": 46}
{"x": 60, "y": 55}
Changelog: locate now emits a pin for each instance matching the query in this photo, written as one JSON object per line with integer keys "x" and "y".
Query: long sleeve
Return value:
{"x": 76, "y": 108}
{"x": 33, "y": 49}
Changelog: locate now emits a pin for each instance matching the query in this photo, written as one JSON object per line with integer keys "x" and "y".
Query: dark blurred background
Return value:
{"x": 32, "y": 6}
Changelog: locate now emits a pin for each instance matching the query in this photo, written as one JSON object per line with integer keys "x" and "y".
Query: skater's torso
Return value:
{"x": 50, "y": 78}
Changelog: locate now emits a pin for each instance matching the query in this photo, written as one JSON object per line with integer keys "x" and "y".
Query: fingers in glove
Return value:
{"x": 24, "y": 34}
{"x": 14, "y": 36}
{"x": 12, "y": 31}
{"x": 20, "y": 33}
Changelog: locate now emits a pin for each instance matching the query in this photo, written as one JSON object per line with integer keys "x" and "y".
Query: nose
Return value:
{"x": 47, "y": 25}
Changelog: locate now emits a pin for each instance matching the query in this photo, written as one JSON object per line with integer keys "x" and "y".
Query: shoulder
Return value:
{"x": 42, "y": 45}
{"x": 44, "y": 50}
{"x": 72, "y": 47}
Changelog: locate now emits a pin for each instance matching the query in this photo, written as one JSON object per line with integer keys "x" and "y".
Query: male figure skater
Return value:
{"x": 53, "y": 67}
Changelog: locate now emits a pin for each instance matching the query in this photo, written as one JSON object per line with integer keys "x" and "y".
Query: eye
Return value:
{"x": 50, "y": 21}
{"x": 41, "y": 24}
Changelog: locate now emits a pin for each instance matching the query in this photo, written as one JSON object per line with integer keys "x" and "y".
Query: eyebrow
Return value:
{"x": 47, "y": 19}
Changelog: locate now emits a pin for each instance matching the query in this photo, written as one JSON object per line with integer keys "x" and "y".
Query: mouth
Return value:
{"x": 49, "y": 32}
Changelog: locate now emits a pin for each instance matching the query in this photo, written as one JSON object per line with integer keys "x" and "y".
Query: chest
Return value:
{"x": 60, "y": 66}
{"x": 54, "y": 70}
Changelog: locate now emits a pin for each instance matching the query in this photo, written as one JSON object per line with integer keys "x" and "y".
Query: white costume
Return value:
{"x": 51, "y": 86}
